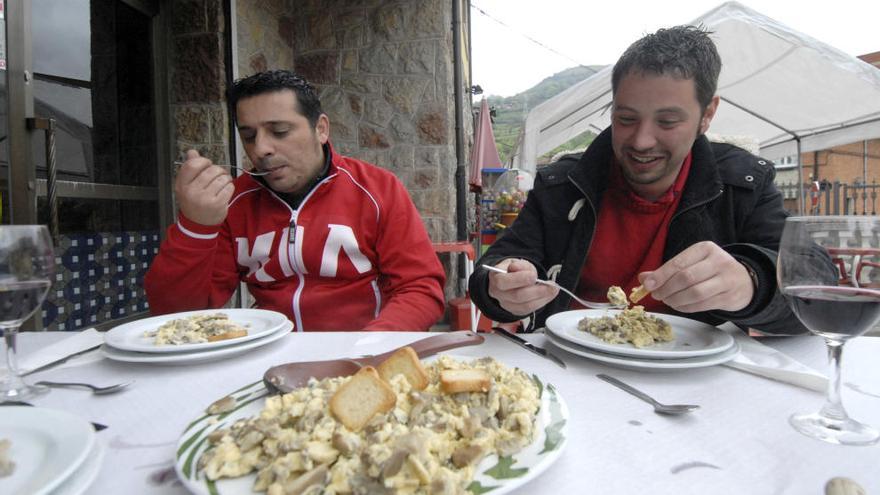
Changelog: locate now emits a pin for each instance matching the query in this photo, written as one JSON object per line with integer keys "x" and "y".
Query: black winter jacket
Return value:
{"x": 729, "y": 199}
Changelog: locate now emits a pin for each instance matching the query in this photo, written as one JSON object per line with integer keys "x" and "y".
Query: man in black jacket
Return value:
{"x": 650, "y": 202}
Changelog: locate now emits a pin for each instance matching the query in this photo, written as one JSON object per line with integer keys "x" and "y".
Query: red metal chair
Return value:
{"x": 467, "y": 249}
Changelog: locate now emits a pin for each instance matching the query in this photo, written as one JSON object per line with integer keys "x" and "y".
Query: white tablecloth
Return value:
{"x": 739, "y": 441}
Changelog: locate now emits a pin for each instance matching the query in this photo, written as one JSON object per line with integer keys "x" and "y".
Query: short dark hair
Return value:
{"x": 684, "y": 52}
{"x": 277, "y": 80}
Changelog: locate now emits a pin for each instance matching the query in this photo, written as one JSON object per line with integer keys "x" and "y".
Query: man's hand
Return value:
{"x": 203, "y": 190}
{"x": 703, "y": 277}
{"x": 516, "y": 290}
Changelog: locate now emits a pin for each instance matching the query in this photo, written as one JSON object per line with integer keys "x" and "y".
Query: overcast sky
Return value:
{"x": 577, "y": 32}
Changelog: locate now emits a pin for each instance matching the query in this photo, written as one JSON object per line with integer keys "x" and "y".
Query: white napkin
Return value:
{"x": 78, "y": 342}
{"x": 761, "y": 360}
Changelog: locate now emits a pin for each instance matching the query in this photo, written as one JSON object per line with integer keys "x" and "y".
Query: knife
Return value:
{"x": 61, "y": 360}
{"x": 528, "y": 345}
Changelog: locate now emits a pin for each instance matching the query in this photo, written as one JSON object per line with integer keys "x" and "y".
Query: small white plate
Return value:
{"x": 194, "y": 357}
{"x": 633, "y": 363}
{"x": 83, "y": 478}
{"x": 130, "y": 336}
{"x": 692, "y": 338}
{"x": 551, "y": 433}
{"x": 47, "y": 447}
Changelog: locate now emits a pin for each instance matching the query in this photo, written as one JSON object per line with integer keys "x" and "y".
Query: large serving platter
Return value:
{"x": 499, "y": 476}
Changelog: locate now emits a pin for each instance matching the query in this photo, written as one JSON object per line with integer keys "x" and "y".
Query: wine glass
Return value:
{"x": 27, "y": 263}
{"x": 828, "y": 272}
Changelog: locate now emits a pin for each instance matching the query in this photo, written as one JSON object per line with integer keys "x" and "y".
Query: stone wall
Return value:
{"x": 384, "y": 70}
{"x": 265, "y": 35}
{"x": 198, "y": 74}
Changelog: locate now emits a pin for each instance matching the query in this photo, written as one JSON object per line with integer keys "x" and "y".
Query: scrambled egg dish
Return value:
{"x": 630, "y": 325}
{"x": 196, "y": 329}
{"x": 429, "y": 443}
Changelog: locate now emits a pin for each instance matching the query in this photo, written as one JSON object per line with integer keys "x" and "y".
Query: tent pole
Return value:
{"x": 800, "y": 189}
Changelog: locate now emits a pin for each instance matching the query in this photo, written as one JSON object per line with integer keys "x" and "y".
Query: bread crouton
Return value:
{"x": 232, "y": 334}
{"x": 637, "y": 293}
{"x": 405, "y": 362}
{"x": 471, "y": 380}
{"x": 360, "y": 398}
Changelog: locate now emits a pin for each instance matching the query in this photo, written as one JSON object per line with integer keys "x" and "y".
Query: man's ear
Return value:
{"x": 709, "y": 114}
{"x": 322, "y": 128}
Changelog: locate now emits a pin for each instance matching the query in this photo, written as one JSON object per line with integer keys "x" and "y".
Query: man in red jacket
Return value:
{"x": 332, "y": 242}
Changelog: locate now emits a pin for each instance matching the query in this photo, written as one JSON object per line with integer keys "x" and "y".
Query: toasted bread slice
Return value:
{"x": 232, "y": 334}
{"x": 454, "y": 381}
{"x": 360, "y": 398}
{"x": 405, "y": 362}
{"x": 637, "y": 294}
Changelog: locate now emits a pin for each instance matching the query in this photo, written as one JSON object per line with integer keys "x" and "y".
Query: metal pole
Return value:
{"x": 865, "y": 176}
{"x": 800, "y": 189}
{"x": 48, "y": 125}
{"x": 460, "y": 169}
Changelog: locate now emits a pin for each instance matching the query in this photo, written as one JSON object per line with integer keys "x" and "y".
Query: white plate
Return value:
{"x": 80, "y": 481}
{"x": 194, "y": 357}
{"x": 634, "y": 363}
{"x": 47, "y": 446}
{"x": 550, "y": 438}
{"x": 130, "y": 336}
{"x": 692, "y": 338}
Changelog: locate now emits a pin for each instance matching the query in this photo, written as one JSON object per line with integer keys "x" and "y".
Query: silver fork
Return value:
{"x": 584, "y": 302}
{"x": 670, "y": 409}
{"x": 110, "y": 389}
{"x": 249, "y": 172}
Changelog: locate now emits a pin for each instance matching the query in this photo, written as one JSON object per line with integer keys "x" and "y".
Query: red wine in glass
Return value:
{"x": 835, "y": 312}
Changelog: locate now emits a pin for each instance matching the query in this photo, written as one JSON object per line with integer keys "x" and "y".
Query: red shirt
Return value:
{"x": 630, "y": 237}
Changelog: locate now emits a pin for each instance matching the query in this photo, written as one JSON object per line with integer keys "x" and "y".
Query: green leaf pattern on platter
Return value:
{"x": 476, "y": 488}
{"x": 553, "y": 437}
{"x": 503, "y": 469}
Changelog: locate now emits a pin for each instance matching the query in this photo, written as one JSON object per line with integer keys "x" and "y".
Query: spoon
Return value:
{"x": 249, "y": 172}
{"x": 110, "y": 389}
{"x": 583, "y": 302}
{"x": 286, "y": 377}
{"x": 670, "y": 409}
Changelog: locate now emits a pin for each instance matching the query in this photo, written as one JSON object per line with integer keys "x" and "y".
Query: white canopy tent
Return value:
{"x": 784, "y": 89}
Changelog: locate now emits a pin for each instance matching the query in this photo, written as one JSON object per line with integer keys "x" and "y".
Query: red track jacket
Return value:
{"x": 354, "y": 255}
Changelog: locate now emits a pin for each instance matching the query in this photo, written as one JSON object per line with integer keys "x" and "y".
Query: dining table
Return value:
{"x": 738, "y": 442}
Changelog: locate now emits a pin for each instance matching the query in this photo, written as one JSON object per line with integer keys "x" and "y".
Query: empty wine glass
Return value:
{"x": 829, "y": 273}
{"x": 27, "y": 263}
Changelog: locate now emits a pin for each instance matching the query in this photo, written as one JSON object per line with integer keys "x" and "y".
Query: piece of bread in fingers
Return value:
{"x": 637, "y": 293}
{"x": 455, "y": 381}
{"x": 232, "y": 334}
{"x": 363, "y": 396}
{"x": 405, "y": 362}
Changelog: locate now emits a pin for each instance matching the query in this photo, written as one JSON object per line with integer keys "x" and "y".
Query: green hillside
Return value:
{"x": 511, "y": 111}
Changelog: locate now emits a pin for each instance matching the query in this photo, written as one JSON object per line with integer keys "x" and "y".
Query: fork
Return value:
{"x": 110, "y": 389}
{"x": 584, "y": 302}
{"x": 249, "y": 172}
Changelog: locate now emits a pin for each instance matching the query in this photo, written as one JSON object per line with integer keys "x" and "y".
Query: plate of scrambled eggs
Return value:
{"x": 636, "y": 333}
{"x": 194, "y": 331}
{"x": 430, "y": 441}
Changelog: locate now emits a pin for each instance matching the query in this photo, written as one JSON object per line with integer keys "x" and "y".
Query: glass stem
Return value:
{"x": 833, "y": 407}
{"x": 9, "y": 334}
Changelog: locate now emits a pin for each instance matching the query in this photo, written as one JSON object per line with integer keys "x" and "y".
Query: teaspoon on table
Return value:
{"x": 670, "y": 409}
{"x": 110, "y": 389}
